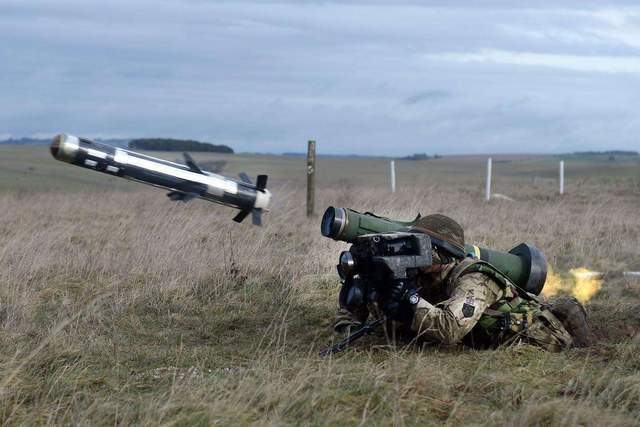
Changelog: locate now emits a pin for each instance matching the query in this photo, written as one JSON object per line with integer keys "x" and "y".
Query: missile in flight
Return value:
{"x": 184, "y": 182}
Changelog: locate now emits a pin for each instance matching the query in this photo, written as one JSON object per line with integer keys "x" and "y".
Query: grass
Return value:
{"x": 119, "y": 307}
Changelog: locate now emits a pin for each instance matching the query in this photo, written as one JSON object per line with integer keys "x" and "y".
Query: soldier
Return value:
{"x": 469, "y": 301}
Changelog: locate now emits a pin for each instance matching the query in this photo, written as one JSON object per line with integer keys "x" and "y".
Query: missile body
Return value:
{"x": 184, "y": 182}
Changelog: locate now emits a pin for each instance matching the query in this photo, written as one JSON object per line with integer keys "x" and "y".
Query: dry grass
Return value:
{"x": 123, "y": 308}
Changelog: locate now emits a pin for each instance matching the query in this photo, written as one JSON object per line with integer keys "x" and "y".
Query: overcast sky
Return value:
{"x": 371, "y": 77}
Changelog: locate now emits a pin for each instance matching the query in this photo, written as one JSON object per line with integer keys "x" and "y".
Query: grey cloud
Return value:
{"x": 358, "y": 76}
{"x": 427, "y": 95}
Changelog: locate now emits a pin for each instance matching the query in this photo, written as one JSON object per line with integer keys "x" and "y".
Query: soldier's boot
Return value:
{"x": 574, "y": 318}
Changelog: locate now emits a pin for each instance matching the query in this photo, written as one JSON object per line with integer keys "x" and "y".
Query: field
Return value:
{"x": 118, "y": 307}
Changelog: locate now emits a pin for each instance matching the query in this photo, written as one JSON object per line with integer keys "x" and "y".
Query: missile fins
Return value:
{"x": 192, "y": 164}
{"x": 261, "y": 192}
{"x": 245, "y": 178}
{"x": 256, "y": 217}
{"x": 241, "y": 216}
{"x": 261, "y": 182}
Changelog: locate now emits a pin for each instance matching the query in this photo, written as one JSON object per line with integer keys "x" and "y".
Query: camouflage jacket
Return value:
{"x": 477, "y": 307}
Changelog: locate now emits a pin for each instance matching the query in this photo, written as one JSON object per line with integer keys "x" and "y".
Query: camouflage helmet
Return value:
{"x": 442, "y": 228}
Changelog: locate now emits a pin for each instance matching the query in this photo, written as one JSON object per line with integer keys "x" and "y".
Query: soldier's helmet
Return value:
{"x": 443, "y": 228}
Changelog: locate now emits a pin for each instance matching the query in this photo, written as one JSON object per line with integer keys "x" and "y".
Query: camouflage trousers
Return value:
{"x": 546, "y": 332}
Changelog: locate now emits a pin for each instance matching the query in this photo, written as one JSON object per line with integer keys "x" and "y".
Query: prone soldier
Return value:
{"x": 455, "y": 300}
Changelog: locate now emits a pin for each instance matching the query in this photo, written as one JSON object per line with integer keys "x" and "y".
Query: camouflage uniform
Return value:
{"x": 461, "y": 303}
{"x": 471, "y": 312}
{"x": 454, "y": 314}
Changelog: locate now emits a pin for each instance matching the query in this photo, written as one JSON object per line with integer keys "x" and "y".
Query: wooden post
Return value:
{"x": 561, "y": 177}
{"x": 311, "y": 178}
{"x": 488, "y": 190}
{"x": 393, "y": 175}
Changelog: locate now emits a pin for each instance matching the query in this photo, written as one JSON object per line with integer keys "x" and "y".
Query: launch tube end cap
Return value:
{"x": 536, "y": 267}
{"x": 333, "y": 222}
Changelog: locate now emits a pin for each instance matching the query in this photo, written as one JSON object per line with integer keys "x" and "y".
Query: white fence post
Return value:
{"x": 488, "y": 191}
{"x": 561, "y": 177}
{"x": 392, "y": 171}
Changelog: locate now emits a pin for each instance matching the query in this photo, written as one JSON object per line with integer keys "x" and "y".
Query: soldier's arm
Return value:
{"x": 449, "y": 321}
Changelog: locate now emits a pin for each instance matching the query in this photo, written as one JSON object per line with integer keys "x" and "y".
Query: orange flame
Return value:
{"x": 582, "y": 283}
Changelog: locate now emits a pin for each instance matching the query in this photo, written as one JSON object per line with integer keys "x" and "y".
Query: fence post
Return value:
{"x": 488, "y": 189}
{"x": 311, "y": 177}
{"x": 393, "y": 175}
{"x": 561, "y": 177}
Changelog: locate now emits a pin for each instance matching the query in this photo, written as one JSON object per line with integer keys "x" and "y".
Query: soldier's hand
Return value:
{"x": 401, "y": 296}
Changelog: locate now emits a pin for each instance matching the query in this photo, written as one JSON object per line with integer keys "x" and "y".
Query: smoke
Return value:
{"x": 581, "y": 282}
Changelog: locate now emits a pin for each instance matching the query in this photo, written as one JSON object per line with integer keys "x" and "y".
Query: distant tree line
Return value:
{"x": 168, "y": 144}
{"x": 420, "y": 156}
{"x": 26, "y": 141}
{"x": 607, "y": 153}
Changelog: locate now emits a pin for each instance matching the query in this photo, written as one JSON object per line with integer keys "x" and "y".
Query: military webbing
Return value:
{"x": 515, "y": 311}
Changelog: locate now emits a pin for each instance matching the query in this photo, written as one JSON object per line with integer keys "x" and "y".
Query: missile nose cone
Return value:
{"x": 64, "y": 147}
{"x": 55, "y": 146}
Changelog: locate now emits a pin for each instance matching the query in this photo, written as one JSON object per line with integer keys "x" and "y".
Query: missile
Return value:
{"x": 184, "y": 182}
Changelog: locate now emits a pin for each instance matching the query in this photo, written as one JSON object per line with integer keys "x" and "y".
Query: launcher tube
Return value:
{"x": 525, "y": 265}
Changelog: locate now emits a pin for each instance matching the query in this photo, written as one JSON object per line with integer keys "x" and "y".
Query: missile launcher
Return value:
{"x": 525, "y": 265}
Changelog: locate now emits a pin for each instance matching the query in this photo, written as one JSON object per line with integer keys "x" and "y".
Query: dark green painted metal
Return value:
{"x": 516, "y": 267}
{"x": 358, "y": 224}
